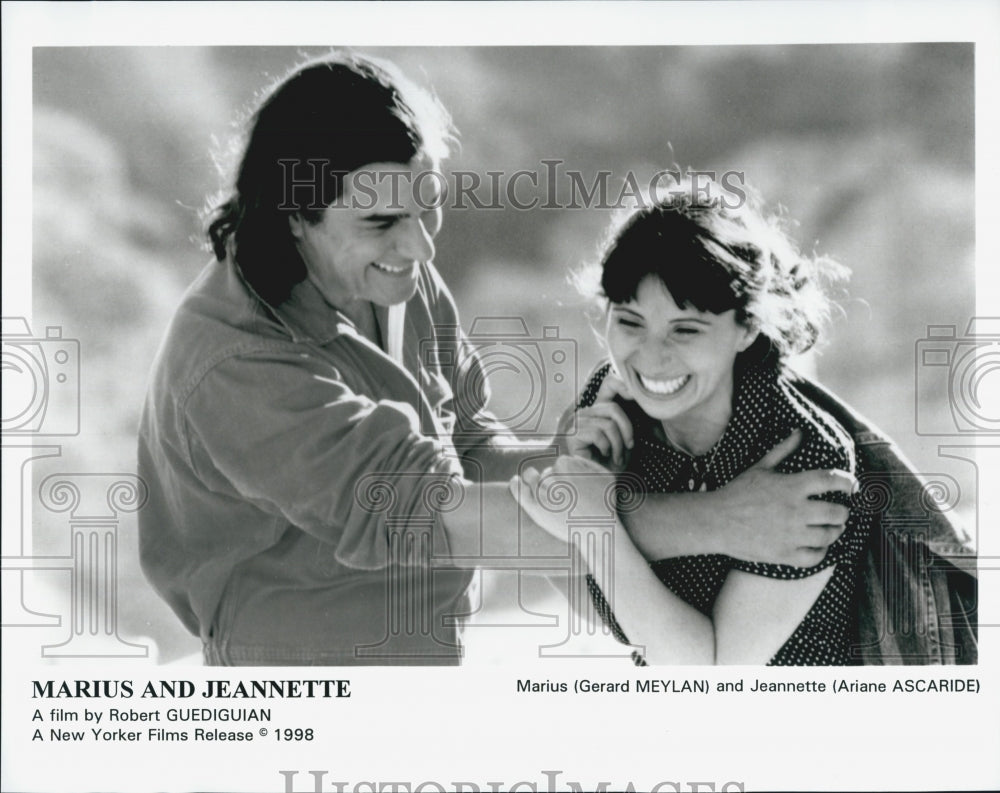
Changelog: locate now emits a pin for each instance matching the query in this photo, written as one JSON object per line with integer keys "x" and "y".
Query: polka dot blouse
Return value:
{"x": 766, "y": 410}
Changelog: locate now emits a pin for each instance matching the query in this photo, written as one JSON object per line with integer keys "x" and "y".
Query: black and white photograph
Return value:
{"x": 616, "y": 384}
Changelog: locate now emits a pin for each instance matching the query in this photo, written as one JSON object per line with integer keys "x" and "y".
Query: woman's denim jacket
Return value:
{"x": 917, "y": 587}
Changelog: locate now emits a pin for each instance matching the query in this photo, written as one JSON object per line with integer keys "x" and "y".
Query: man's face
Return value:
{"x": 368, "y": 245}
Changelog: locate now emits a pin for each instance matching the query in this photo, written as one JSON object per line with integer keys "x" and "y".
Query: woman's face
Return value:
{"x": 677, "y": 362}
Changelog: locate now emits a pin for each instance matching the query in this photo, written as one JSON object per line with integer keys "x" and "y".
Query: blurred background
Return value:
{"x": 869, "y": 147}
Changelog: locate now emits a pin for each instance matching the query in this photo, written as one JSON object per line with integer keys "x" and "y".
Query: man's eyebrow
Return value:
{"x": 383, "y": 217}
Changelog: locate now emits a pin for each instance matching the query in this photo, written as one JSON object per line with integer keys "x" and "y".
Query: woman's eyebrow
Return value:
{"x": 698, "y": 320}
{"x": 619, "y": 307}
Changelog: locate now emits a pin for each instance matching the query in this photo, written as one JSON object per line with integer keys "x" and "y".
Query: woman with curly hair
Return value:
{"x": 705, "y": 303}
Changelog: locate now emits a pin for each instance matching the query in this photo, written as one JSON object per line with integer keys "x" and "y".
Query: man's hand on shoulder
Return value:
{"x": 768, "y": 516}
{"x": 760, "y": 516}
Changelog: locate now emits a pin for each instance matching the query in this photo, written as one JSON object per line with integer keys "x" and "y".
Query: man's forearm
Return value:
{"x": 489, "y": 528}
{"x": 501, "y": 457}
{"x": 675, "y": 524}
{"x": 664, "y": 525}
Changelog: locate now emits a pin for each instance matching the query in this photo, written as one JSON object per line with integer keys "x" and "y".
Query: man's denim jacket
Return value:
{"x": 917, "y": 587}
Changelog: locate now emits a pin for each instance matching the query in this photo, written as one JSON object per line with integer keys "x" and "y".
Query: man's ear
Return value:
{"x": 295, "y": 225}
{"x": 750, "y": 335}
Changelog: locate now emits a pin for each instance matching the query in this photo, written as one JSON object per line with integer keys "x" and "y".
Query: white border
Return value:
{"x": 450, "y": 725}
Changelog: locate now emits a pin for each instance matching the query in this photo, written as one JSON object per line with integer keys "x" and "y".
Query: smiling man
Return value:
{"x": 367, "y": 249}
{"x": 290, "y": 393}
{"x": 307, "y": 501}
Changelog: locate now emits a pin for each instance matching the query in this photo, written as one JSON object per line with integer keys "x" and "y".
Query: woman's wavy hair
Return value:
{"x": 718, "y": 251}
{"x": 329, "y": 117}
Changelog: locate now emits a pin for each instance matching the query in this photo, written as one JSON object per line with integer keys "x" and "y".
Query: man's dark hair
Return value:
{"x": 328, "y": 118}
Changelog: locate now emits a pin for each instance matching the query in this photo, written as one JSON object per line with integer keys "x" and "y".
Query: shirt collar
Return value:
{"x": 309, "y": 318}
{"x": 304, "y": 314}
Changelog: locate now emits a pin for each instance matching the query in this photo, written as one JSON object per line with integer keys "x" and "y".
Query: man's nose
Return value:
{"x": 414, "y": 241}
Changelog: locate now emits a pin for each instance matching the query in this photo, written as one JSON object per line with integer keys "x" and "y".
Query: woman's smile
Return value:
{"x": 659, "y": 387}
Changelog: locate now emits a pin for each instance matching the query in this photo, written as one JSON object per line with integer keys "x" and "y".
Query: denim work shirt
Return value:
{"x": 291, "y": 467}
{"x": 917, "y": 585}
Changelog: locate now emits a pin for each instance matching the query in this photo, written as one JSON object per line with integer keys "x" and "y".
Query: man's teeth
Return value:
{"x": 662, "y": 387}
{"x": 394, "y": 269}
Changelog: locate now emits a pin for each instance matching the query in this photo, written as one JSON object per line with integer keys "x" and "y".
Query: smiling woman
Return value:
{"x": 677, "y": 363}
{"x": 704, "y": 304}
{"x": 697, "y": 290}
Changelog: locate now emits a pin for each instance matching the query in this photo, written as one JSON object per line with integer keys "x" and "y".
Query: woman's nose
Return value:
{"x": 658, "y": 350}
{"x": 414, "y": 241}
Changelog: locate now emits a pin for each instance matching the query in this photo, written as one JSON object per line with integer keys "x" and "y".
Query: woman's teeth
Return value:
{"x": 393, "y": 270}
{"x": 663, "y": 387}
